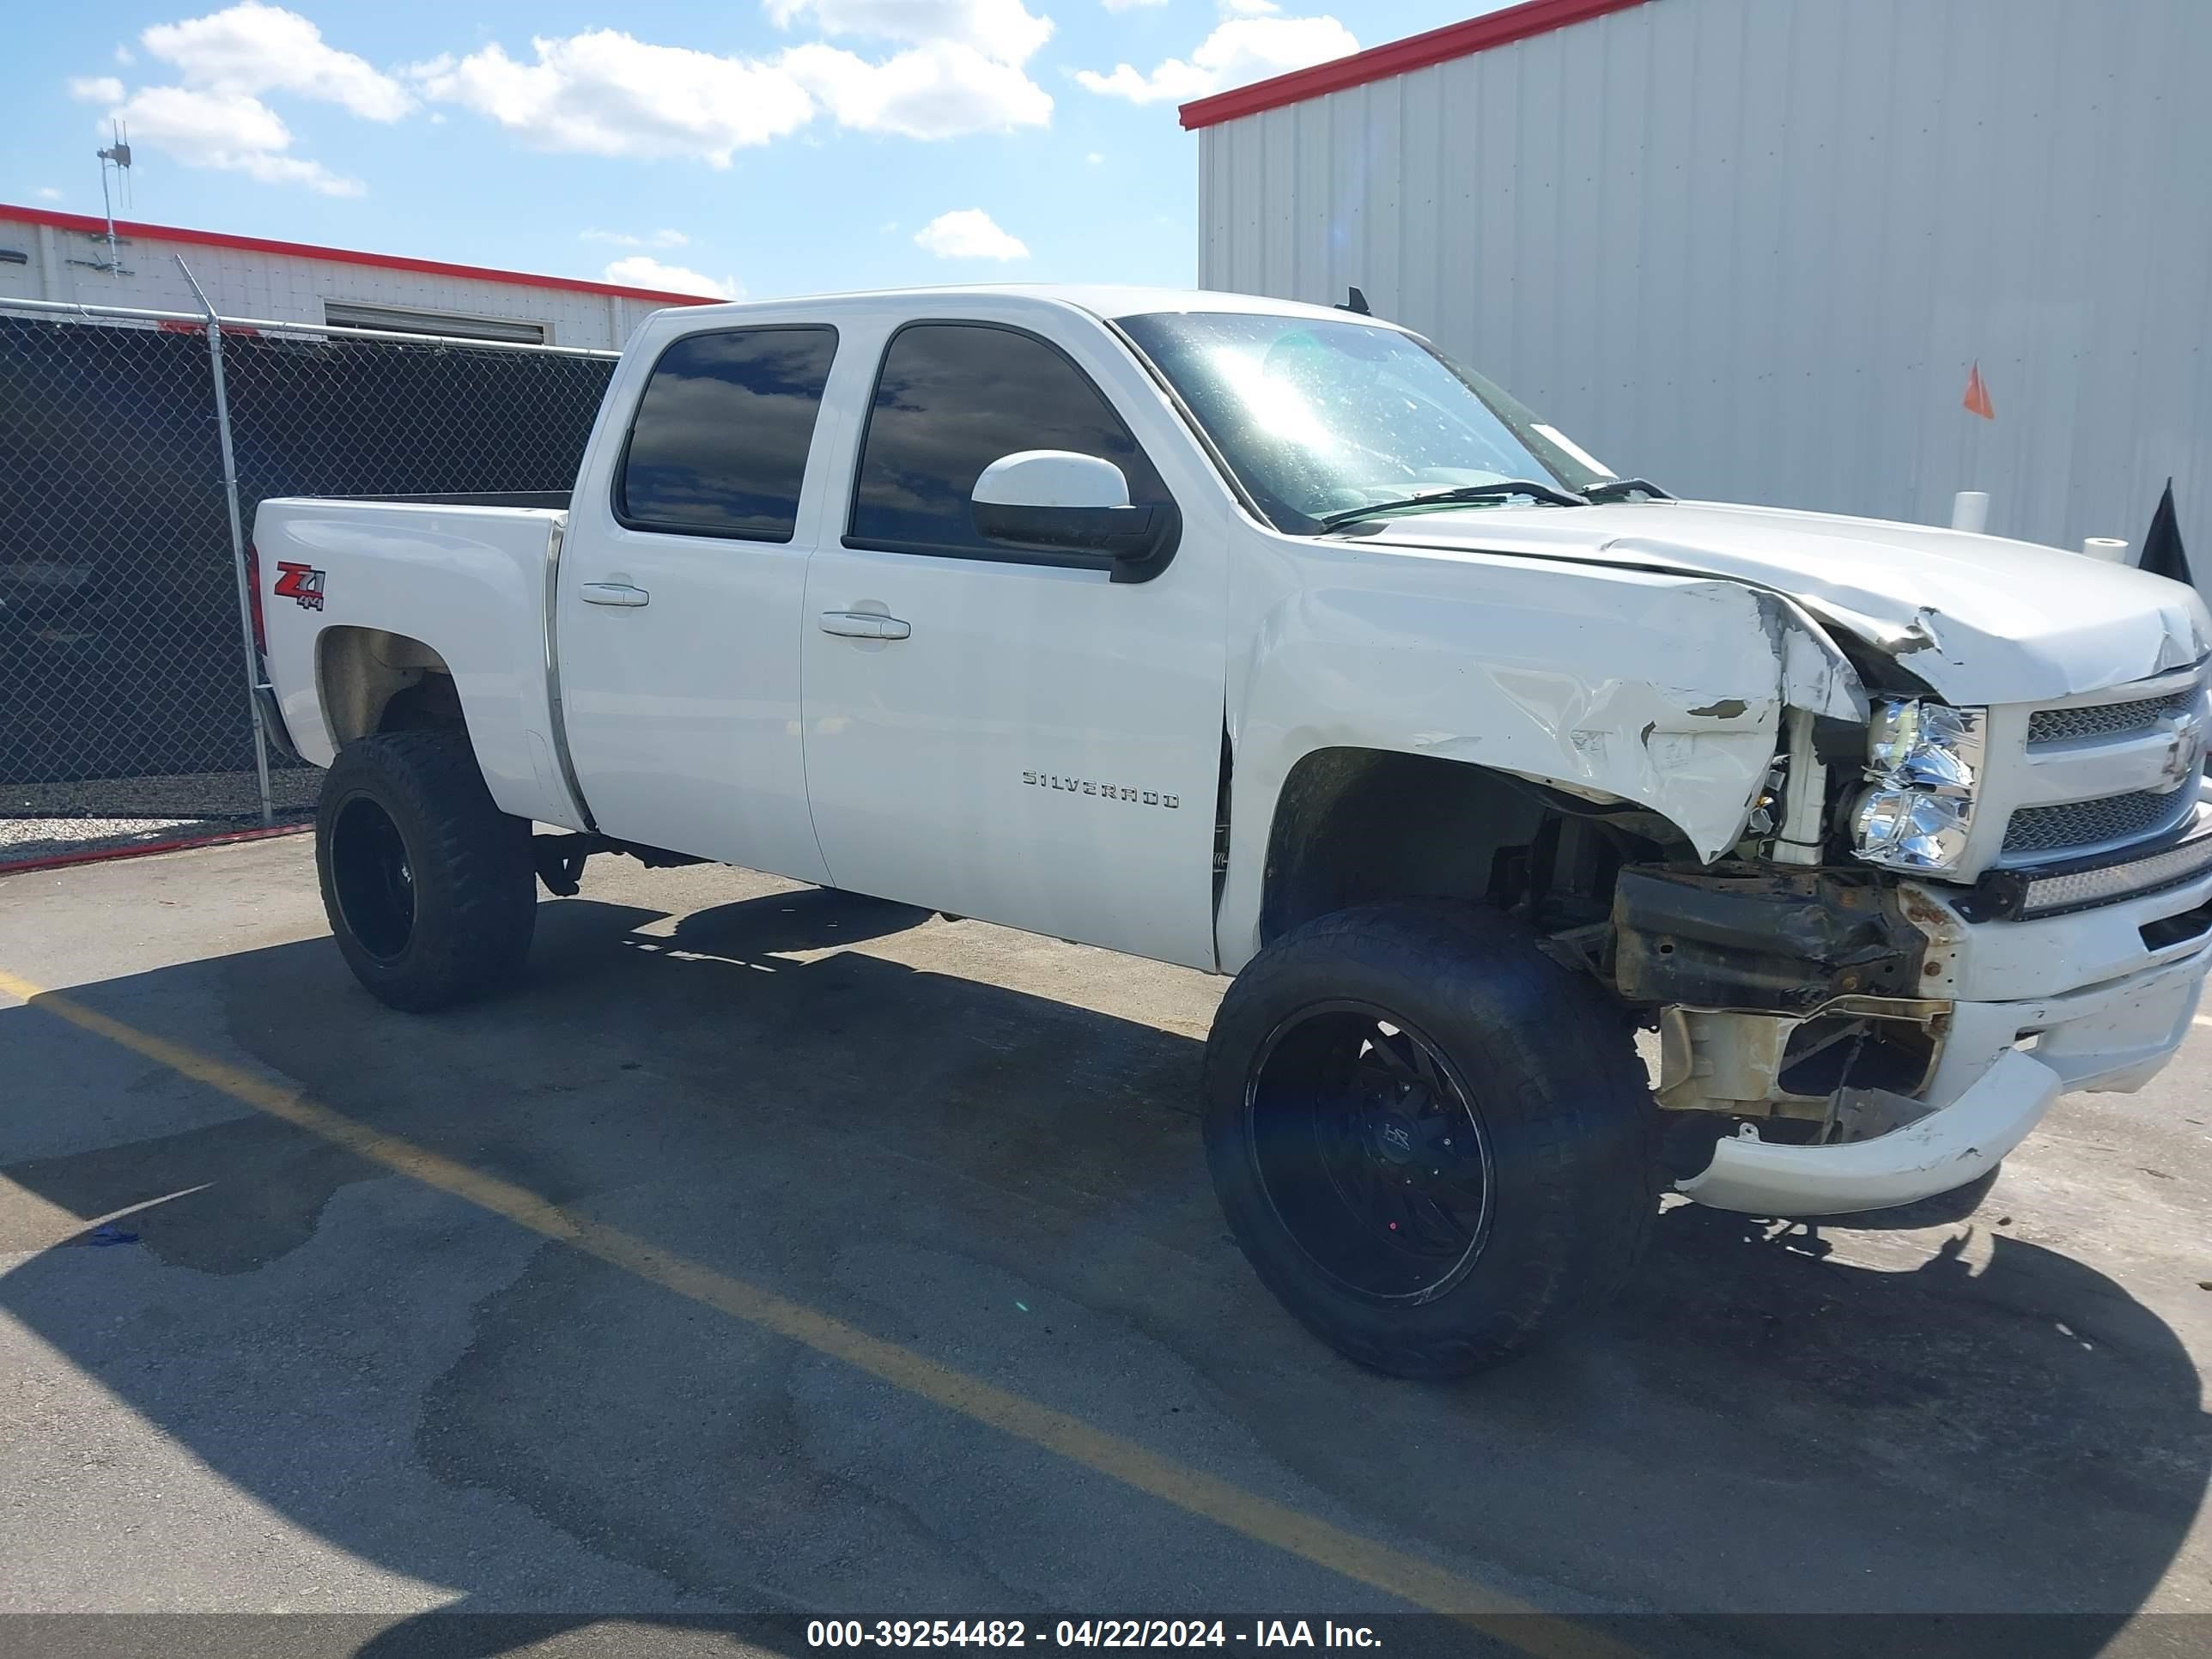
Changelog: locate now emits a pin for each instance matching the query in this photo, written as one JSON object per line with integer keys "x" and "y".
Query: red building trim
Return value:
{"x": 1499, "y": 28}
{"x": 91, "y": 226}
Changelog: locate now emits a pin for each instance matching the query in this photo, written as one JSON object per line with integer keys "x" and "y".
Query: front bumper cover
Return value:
{"x": 1944, "y": 1150}
{"x": 2112, "y": 1036}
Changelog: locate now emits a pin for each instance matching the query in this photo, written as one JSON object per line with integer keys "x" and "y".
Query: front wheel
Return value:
{"x": 1431, "y": 1141}
{"x": 429, "y": 887}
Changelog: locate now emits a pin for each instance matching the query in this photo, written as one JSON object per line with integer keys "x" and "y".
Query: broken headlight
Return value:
{"x": 1922, "y": 762}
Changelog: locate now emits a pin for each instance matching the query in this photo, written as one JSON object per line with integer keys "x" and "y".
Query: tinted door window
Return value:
{"x": 952, "y": 398}
{"x": 719, "y": 445}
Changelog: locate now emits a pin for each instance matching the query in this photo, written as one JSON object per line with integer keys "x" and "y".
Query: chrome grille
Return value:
{"x": 2107, "y": 720}
{"x": 2084, "y": 824}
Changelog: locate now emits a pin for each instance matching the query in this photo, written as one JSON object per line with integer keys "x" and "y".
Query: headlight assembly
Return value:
{"x": 1923, "y": 763}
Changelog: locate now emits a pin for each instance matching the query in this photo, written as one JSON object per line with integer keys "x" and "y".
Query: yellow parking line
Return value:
{"x": 1407, "y": 1577}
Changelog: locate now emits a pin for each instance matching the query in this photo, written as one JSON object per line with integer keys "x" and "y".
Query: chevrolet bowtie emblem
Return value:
{"x": 2188, "y": 749}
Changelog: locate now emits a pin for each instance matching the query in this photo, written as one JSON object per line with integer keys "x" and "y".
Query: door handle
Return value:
{"x": 863, "y": 625}
{"x": 613, "y": 593}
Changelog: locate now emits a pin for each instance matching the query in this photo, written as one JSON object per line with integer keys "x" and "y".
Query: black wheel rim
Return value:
{"x": 373, "y": 881}
{"x": 1370, "y": 1150}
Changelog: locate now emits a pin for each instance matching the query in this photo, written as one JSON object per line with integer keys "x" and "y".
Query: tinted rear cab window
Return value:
{"x": 719, "y": 441}
{"x": 952, "y": 398}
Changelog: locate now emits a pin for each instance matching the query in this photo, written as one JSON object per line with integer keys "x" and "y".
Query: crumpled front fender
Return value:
{"x": 1659, "y": 690}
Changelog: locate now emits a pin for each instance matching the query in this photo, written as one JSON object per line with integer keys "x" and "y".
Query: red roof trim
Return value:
{"x": 1499, "y": 28}
{"x": 91, "y": 226}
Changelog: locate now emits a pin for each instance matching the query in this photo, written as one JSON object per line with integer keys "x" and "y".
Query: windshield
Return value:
{"x": 1316, "y": 418}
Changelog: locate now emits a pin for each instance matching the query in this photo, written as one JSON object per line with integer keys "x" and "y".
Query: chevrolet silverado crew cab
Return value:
{"x": 1260, "y": 638}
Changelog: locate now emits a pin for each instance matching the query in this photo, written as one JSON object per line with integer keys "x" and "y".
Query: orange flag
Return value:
{"x": 1977, "y": 395}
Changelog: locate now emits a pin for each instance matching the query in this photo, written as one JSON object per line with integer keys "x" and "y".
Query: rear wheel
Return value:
{"x": 1431, "y": 1141}
{"x": 429, "y": 887}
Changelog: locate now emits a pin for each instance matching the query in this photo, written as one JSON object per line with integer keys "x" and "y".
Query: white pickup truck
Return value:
{"x": 1259, "y": 637}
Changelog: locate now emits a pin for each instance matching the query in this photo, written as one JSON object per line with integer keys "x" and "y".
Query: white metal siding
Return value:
{"x": 289, "y": 288}
{"x": 1751, "y": 247}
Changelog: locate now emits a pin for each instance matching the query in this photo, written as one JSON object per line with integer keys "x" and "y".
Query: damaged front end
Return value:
{"x": 1938, "y": 918}
{"x": 1785, "y": 998}
{"x": 1796, "y": 997}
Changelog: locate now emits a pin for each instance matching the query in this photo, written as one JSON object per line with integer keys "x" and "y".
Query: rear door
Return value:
{"x": 680, "y": 593}
{"x": 1024, "y": 740}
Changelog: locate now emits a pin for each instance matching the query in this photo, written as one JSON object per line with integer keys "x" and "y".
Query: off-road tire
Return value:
{"x": 474, "y": 898}
{"x": 1553, "y": 1076}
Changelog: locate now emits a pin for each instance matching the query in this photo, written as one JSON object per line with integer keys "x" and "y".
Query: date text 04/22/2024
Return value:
{"x": 1085, "y": 1633}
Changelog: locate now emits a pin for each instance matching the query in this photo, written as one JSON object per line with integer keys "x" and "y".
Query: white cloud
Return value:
{"x": 624, "y": 238}
{"x": 215, "y": 117}
{"x": 1131, "y": 5}
{"x": 226, "y": 130}
{"x": 1002, "y": 30}
{"x": 253, "y": 48}
{"x": 643, "y": 270}
{"x": 48, "y": 193}
{"x": 1172, "y": 79}
{"x": 1095, "y": 159}
{"x": 607, "y": 93}
{"x": 968, "y": 234}
{"x": 1244, "y": 48}
{"x": 932, "y": 92}
{"x": 948, "y": 67}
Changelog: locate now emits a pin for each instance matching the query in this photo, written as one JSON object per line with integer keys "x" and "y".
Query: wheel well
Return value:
{"x": 373, "y": 680}
{"x": 1356, "y": 826}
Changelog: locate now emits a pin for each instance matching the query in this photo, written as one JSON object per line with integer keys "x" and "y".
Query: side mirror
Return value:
{"x": 1060, "y": 501}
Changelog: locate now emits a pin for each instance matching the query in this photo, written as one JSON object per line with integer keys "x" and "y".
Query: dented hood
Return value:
{"x": 1979, "y": 619}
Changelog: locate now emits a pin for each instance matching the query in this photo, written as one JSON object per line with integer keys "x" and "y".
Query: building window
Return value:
{"x": 396, "y": 319}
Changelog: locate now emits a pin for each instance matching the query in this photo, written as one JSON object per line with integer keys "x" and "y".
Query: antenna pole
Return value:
{"x": 114, "y": 260}
{"x": 118, "y": 155}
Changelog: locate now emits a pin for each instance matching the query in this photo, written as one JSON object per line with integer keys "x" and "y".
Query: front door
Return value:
{"x": 1019, "y": 738}
{"x": 678, "y": 617}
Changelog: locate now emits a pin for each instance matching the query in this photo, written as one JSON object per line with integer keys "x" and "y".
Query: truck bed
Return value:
{"x": 557, "y": 500}
{"x": 367, "y": 575}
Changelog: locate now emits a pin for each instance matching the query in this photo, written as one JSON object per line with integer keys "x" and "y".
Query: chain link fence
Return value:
{"x": 123, "y": 681}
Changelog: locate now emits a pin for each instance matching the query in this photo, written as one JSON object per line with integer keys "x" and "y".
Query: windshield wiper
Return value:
{"x": 1614, "y": 489}
{"x": 1501, "y": 491}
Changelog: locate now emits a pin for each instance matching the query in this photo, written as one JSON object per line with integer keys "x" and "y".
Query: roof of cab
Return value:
{"x": 1100, "y": 299}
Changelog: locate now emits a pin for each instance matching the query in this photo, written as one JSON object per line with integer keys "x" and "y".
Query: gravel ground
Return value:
{"x": 22, "y": 840}
{"x": 41, "y": 820}
{"x": 179, "y": 796}
{"x": 38, "y": 838}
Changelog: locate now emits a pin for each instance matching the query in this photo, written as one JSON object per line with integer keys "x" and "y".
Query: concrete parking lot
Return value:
{"x": 778, "y": 1251}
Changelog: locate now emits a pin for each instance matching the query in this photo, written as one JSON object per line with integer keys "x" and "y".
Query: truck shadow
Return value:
{"x": 1758, "y": 1426}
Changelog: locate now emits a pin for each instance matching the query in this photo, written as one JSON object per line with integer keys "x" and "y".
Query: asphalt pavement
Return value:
{"x": 774, "y": 1255}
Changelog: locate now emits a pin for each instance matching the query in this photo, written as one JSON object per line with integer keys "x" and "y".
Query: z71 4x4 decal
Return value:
{"x": 302, "y": 582}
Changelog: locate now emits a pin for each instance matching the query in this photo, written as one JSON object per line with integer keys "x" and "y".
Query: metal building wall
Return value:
{"x": 245, "y": 282}
{"x": 1750, "y": 248}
